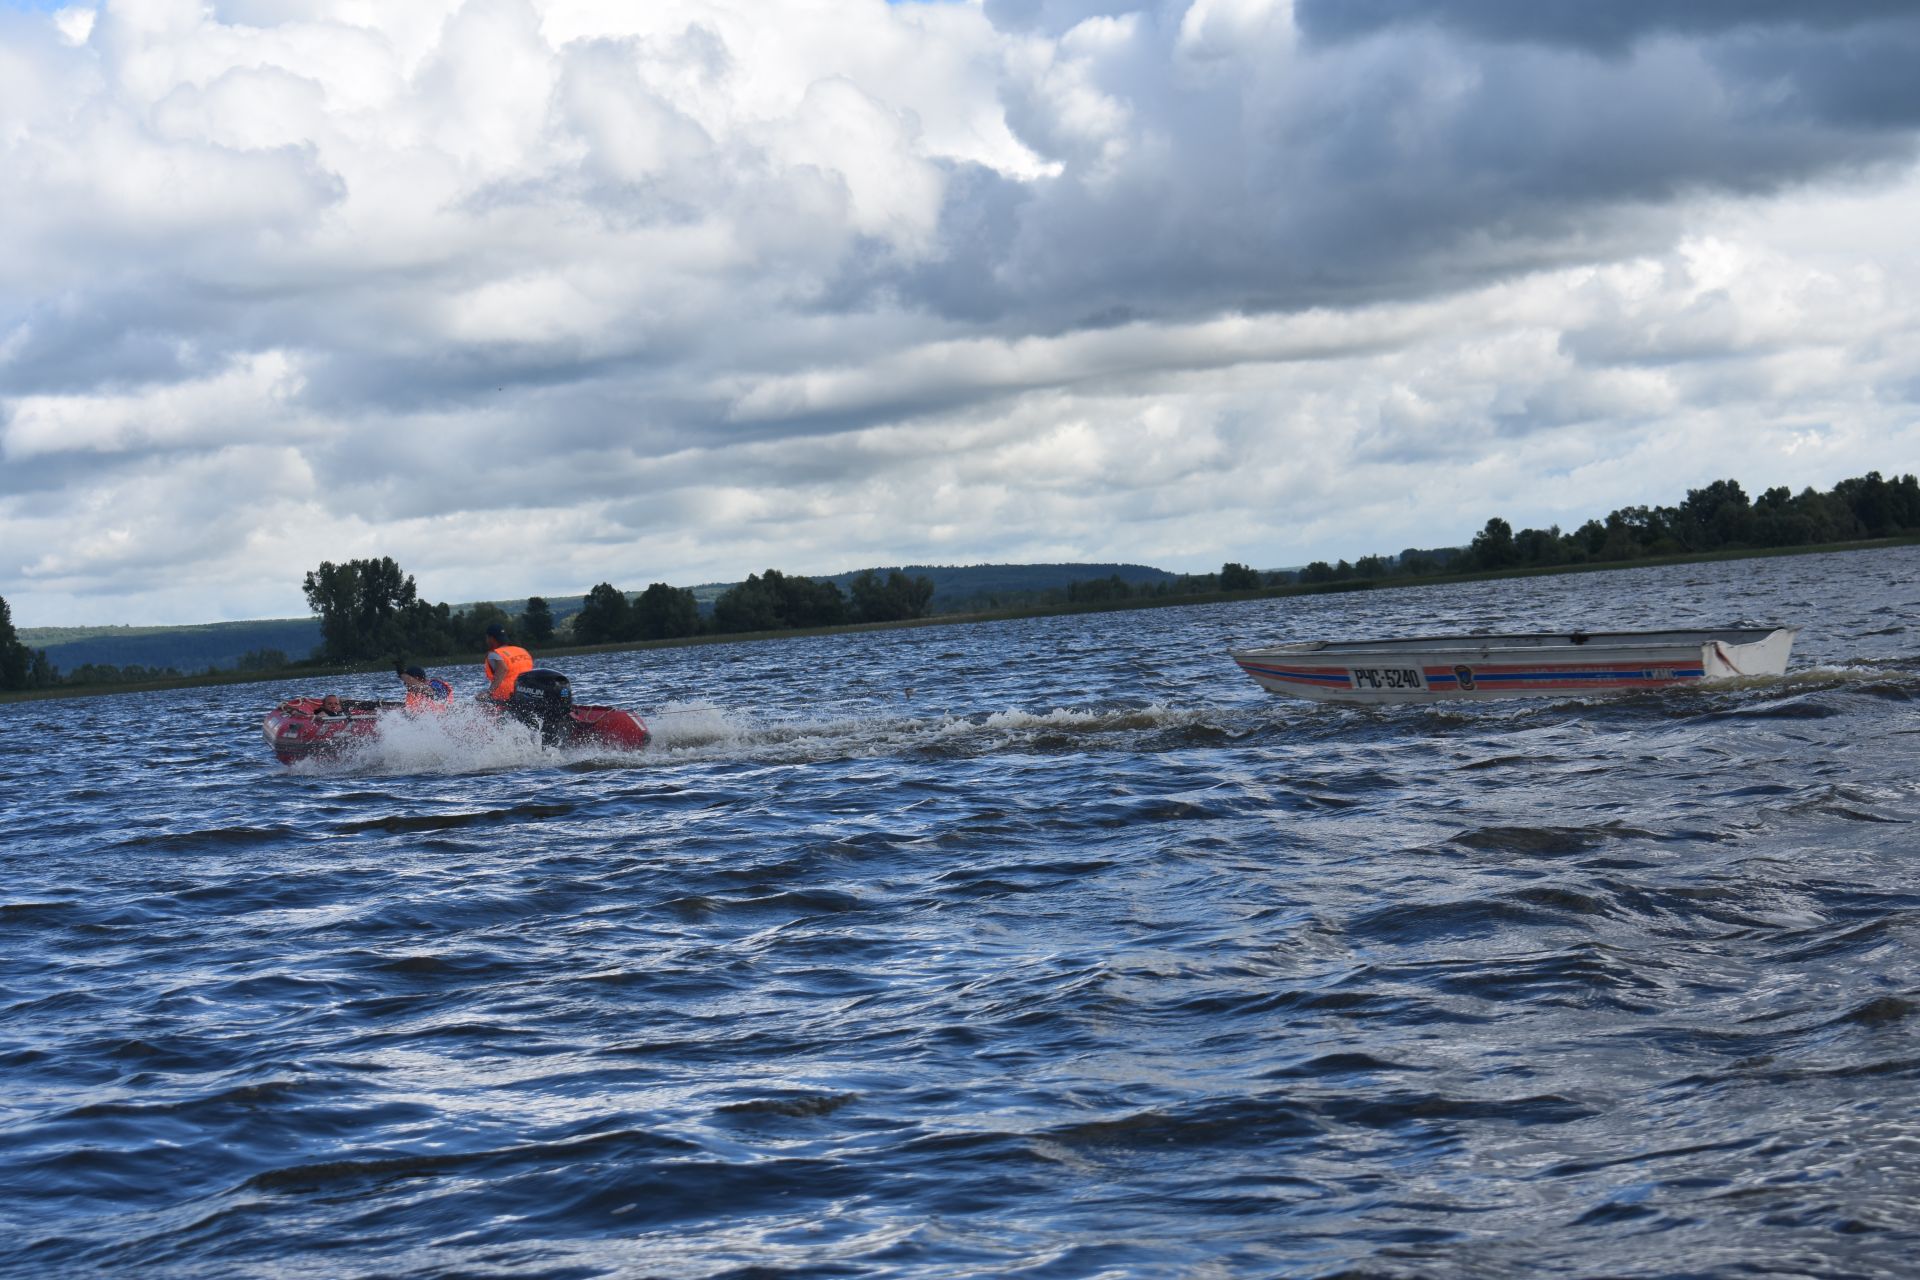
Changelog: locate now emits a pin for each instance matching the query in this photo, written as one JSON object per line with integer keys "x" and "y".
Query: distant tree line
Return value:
{"x": 1718, "y": 517}
{"x": 370, "y": 609}
{"x": 24, "y": 668}
{"x": 20, "y": 667}
{"x": 770, "y": 601}
{"x": 1114, "y": 589}
{"x": 660, "y": 612}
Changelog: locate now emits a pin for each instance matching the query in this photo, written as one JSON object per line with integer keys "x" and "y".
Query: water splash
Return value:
{"x": 470, "y": 740}
{"x": 462, "y": 738}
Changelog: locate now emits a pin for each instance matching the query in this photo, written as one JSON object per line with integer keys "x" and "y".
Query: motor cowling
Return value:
{"x": 544, "y": 698}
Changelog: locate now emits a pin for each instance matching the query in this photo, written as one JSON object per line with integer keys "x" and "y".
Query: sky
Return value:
{"x": 535, "y": 294}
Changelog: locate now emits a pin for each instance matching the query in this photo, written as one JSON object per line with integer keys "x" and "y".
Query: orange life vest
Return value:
{"x": 435, "y": 697}
{"x": 515, "y": 661}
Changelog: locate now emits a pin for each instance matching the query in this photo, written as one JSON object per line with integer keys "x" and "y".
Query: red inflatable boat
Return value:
{"x": 542, "y": 701}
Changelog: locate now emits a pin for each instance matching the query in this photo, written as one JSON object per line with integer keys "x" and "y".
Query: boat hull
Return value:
{"x": 296, "y": 731}
{"x": 1443, "y": 668}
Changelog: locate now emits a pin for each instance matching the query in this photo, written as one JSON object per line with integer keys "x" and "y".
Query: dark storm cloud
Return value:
{"x": 1852, "y": 61}
{"x": 1864, "y": 79}
{"x": 454, "y": 378}
{"x": 100, "y": 343}
{"x": 40, "y": 482}
{"x": 1604, "y": 26}
{"x": 1404, "y": 166}
{"x": 147, "y": 326}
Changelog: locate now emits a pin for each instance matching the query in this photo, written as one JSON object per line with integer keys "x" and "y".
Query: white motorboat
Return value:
{"x": 1514, "y": 666}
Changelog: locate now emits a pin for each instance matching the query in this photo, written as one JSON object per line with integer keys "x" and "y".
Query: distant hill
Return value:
{"x": 192, "y": 649}
{"x": 187, "y": 649}
{"x": 956, "y": 585}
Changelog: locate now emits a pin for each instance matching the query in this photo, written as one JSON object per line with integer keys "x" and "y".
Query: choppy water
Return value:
{"x": 1045, "y": 948}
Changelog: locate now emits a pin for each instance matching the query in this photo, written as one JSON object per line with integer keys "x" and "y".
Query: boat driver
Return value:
{"x": 505, "y": 664}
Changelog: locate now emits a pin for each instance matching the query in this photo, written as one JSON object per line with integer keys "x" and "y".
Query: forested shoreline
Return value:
{"x": 370, "y": 610}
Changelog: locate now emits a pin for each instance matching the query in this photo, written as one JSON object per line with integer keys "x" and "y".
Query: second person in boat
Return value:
{"x": 424, "y": 693}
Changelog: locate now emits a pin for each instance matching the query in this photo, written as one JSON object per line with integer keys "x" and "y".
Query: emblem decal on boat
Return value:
{"x": 1464, "y": 674}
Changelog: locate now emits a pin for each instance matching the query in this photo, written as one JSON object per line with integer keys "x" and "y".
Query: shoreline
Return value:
{"x": 318, "y": 672}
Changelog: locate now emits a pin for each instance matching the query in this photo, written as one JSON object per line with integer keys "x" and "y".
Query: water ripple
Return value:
{"x": 1048, "y": 947}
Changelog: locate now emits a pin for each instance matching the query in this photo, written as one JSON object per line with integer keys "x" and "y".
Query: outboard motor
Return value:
{"x": 544, "y": 699}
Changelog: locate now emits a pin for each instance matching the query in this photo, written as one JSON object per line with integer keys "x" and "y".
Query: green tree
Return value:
{"x": 1634, "y": 532}
{"x": 359, "y": 604}
{"x": 1828, "y": 518}
{"x": 430, "y": 629}
{"x": 603, "y": 618}
{"x": 1586, "y": 542}
{"x": 1237, "y": 577}
{"x": 1093, "y": 590}
{"x": 1540, "y": 546}
{"x": 1713, "y": 517}
{"x": 1318, "y": 571}
{"x": 16, "y": 662}
{"x": 1493, "y": 546}
{"x": 772, "y": 601}
{"x": 1374, "y": 566}
{"x": 665, "y": 613}
{"x": 1776, "y": 523}
{"x": 536, "y": 624}
{"x": 808, "y": 602}
{"x": 896, "y": 598}
{"x": 1904, "y": 497}
{"x": 469, "y": 626}
{"x": 1875, "y": 504}
{"x": 753, "y": 605}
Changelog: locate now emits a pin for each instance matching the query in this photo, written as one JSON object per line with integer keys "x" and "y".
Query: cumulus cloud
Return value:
{"x": 684, "y": 290}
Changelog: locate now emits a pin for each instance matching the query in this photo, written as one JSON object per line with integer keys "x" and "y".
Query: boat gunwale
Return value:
{"x": 1558, "y": 643}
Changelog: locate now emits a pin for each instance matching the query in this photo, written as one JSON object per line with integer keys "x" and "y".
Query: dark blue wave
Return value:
{"x": 1083, "y": 959}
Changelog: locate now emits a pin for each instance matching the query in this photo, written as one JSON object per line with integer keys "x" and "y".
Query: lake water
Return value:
{"x": 1049, "y": 948}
